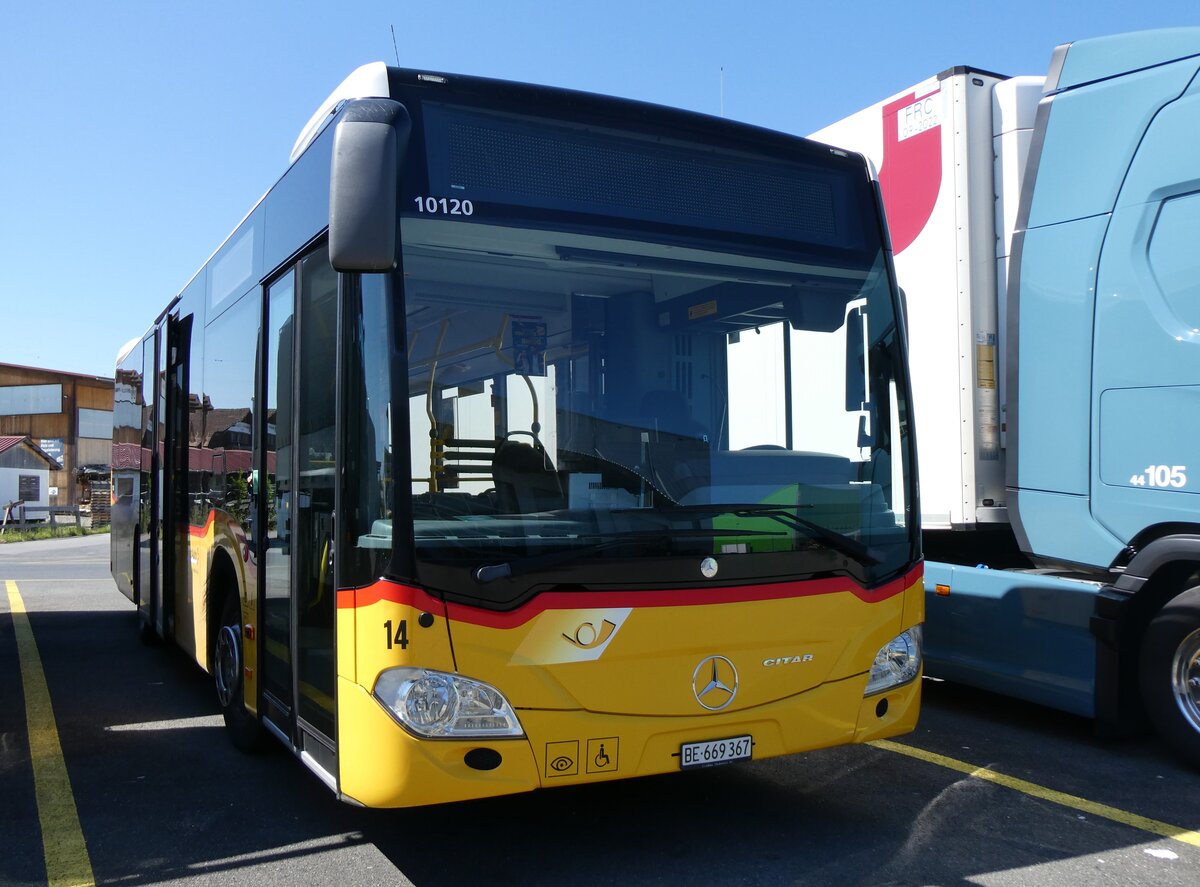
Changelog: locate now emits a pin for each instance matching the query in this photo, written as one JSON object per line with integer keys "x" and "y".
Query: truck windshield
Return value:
{"x": 599, "y": 399}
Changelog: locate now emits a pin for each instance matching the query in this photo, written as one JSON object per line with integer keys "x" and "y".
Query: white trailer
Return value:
{"x": 950, "y": 152}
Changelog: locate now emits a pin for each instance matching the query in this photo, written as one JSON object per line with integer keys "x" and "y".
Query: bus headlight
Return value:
{"x": 438, "y": 705}
{"x": 897, "y": 663}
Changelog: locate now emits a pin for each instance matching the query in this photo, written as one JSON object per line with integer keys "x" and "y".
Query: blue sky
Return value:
{"x": 135, "y": 135}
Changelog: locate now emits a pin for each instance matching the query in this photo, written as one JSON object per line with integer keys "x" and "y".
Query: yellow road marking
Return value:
{"x": 67, "y": 861}
{"x": 1153, "y": 826}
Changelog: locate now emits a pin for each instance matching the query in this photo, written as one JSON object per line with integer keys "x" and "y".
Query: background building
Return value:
{"x": 24, "y": 478}
{"x": 69, "y": 417}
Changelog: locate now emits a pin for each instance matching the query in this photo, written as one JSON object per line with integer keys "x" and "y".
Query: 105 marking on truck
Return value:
{"x": 1161, "y": 476}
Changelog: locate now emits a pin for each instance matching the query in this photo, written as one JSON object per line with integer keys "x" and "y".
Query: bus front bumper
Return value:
{"x": 382, "y": 765}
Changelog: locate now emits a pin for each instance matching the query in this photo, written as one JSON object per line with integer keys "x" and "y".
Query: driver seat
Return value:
{"x": 526, "y": 480}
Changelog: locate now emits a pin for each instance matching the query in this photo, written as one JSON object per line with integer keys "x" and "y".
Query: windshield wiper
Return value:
{"x": 491, "y": 572}
{"x": 780, "y": 514}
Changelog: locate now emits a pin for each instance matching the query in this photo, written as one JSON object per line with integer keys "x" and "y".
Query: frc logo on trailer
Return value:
{"x": 911, "y": 174}
{"x": 914, "y": 119}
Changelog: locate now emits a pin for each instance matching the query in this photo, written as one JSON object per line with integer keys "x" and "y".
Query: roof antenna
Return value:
{"x": 722, "y": 90}
{"x": 394, "y": 49}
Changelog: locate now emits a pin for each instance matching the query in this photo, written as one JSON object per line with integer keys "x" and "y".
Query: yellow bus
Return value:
{"x": 521, "y": 437}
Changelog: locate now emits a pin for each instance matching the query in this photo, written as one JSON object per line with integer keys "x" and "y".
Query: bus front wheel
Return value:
{"x": 244, "y": 728}
{"x": 1170, "y": 674}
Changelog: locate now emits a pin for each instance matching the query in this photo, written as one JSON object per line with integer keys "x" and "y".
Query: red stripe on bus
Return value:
{"x": 383, "y": 590}
{"x": 203, "y": 531}
{"x": 395, "y": 592}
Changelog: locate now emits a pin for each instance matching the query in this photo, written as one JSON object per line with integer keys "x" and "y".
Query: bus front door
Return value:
{"x": 298, "y": 459}
{"x": 274, "y": 428}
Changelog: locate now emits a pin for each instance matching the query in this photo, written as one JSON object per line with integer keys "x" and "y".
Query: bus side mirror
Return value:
{"x": 856, "y": 360}
{"x": 369, "y": 141}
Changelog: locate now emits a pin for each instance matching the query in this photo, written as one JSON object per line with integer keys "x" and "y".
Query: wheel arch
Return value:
{"x": 1156, "y": 573}
{"x": 223, "y": 581}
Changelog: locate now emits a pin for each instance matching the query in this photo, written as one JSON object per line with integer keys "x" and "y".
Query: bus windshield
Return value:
{"x": 610, "y": 389}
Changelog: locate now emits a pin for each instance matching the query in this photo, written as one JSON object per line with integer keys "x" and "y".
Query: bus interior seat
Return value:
{"x": 526, "y": 480}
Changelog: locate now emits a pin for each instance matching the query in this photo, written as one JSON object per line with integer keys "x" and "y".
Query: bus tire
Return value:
{"x": 243, "y": 728}
{"x": 1170, "y": 674}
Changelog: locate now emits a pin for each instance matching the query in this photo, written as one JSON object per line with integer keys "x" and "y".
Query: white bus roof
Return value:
{"x": 368, "y": 81}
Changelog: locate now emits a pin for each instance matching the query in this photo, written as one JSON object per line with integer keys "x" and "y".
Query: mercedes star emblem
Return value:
{"x": 715, "y": 683}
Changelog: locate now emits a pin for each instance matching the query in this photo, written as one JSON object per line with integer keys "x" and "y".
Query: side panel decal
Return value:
{"x": 911, "y": 175}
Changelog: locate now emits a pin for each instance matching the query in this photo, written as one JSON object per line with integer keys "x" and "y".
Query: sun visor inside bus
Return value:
{"x": 733, "y": 307}
{"x": 369, "y": 141}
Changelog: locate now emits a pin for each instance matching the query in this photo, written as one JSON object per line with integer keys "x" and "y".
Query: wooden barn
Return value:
{"x": 68, "y": 417}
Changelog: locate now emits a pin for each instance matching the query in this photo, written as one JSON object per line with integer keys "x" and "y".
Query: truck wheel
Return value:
{"x": 244, "y": 729}
{"x": 1170, "y": 674}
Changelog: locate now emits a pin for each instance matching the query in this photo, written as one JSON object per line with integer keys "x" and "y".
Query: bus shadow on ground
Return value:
{"x": 853, "y": 815}
{"x": 162, "y": 794}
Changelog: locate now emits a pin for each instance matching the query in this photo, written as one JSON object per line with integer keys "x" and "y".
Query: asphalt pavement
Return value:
{"x": 987, "y": 791}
